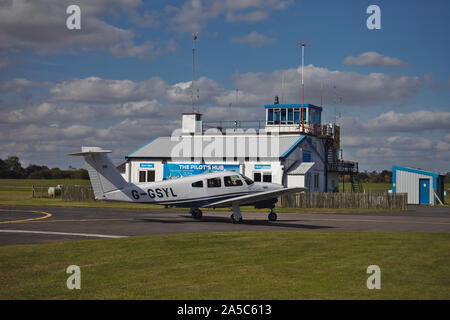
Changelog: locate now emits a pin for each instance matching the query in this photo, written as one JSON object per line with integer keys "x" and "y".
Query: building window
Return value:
{"x": 269, "y": 116}
{"x": 232, "y": 181}
{"x": 267, "y": 177}
{"x": 316, "y": 181}
{"x": 150, "y": 175}
{"x": 142, "y": 175}
{"x": 306, "y": 156}
{"x": 283, "y": 116}
{"x": 198, "y": 184}
{"x": 262, "y": 176}
{"x": 147, "y": 176}
{"x": 276, "y": 116}
{"x": 290, "y": 116}
{"x": 214, "y": 183}
{"x": 296, "y": 115}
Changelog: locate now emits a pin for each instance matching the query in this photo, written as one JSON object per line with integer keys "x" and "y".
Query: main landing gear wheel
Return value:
{"x": 196, "y": 213}
{"x": 233, "y": 220}
{"x": 272, "y": 216}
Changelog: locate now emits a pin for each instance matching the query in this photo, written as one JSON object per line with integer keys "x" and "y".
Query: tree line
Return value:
{"x": 384, "y": 176}
{"x": 11, "y": 168}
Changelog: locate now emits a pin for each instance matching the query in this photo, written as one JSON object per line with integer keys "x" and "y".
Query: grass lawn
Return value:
{"x": 240, "y": 265}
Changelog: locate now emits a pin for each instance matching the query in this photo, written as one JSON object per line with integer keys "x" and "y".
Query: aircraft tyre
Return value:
{"x": 272, "y": 216}
{"x": 196, "y": 214}
{"x": 233, "y": 220}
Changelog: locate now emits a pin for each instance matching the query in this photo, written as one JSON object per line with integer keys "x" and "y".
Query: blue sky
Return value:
{"x": 121, "y": 80}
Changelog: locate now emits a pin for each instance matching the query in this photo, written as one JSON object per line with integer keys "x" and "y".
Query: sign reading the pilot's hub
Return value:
{"x": 178, "y": 170}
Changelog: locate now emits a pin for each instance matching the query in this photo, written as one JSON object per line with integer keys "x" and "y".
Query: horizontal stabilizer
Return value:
{"x": 88, "y": 151}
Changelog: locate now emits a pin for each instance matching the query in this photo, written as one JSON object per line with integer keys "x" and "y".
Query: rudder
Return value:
{"x": 103, "y": 174}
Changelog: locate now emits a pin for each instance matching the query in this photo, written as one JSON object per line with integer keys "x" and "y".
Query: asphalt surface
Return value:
{"x": 27, "y": 225}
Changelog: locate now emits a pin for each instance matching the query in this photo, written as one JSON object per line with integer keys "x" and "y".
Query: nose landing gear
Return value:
{"x": 236, "y": 216}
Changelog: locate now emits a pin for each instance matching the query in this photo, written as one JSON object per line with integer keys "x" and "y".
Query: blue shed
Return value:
{"x": 421, "y": 186}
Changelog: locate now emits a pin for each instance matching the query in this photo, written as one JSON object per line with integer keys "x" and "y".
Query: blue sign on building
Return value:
{"x": 262, "y": 166}
{"x": 146, "y": 165}
{"x": 178, "y": 170}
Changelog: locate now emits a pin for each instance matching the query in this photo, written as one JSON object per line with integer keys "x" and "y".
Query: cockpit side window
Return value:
{"x": 214, "y": 183}
{"x": 232, "y": 181}
{"x": 197, "y": 184}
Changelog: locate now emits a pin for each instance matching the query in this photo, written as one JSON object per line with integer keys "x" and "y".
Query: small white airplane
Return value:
{"x": 207, "y": 190}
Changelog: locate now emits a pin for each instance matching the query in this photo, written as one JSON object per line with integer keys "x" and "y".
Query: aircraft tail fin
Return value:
{"x": 102, "y": 172}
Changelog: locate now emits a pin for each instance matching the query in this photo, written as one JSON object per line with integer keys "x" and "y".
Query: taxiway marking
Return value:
{"x": 46, "y": 215}
{"x": 65, "y": 234}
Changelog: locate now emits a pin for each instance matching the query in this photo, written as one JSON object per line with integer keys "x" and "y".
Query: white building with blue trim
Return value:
{"x": 290, "y": 147}
{"x": 422, "y": 187}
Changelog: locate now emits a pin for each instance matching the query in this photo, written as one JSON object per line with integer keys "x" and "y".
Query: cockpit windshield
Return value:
{"x": 247, "y": 180}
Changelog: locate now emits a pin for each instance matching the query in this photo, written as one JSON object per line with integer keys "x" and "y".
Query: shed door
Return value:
{"x": 424, "y": 191}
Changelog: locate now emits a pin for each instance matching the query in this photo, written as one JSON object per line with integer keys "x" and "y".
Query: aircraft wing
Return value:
{"x": 252, "y": 198}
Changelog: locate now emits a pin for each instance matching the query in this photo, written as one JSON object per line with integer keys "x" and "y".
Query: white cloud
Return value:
{"x": 416, "y": 121}
{"x": 254, "y": 39}
{"x": 193, "y": 15}
{"x": 375, "y": 143}
{"x": 259, "y": 88}
{"x": 374, "y": 59}
{"x": 19, "y": 84}
{"x": 208, "y": 91}
{"x": 254, "y": 89}
{"x": 151, "y": 108}
{"x": 97, "y": 90}
{"x": 355, "y": 89}
{"x": 46, "y": 112}
{"x": 41, "y": 27}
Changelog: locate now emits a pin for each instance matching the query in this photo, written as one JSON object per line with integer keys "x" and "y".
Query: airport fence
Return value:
{"x": 345, "y": 200}
{"x": 77, "y": 193}
{"x": 50, "y": 192}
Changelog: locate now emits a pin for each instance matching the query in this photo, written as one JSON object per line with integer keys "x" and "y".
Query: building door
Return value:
{"x": 424, "y": 191}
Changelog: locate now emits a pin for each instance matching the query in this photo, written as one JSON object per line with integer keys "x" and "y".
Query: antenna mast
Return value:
{"x": 194, "y": 39}
{"x": 335, "y": 98}
{"x": 303, "y": 45}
